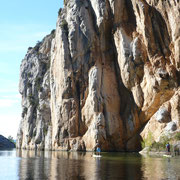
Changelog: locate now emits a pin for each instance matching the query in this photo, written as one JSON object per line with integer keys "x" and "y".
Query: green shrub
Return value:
{"x": 164, "y": 140}
{"x": 38, "y": 83}
{"x": 177, "y": 136}
{"x": 37, "y": 46}
{"x": 44, "y": 106}
{"x": 147, "y": 142}
{"x": 143, "y": 144}
{"x": 64, "y": 25}
{"x": 45, "y": 66}
{"x": 161, "y": 145}
{"x": 38, "y": 43}
{"x": 29, "y": 85}
{"x": 38, "y": 87}
{"x": 157, "y": 146}
{"x": 28, "y": 74}
{"x": 45, "y": 130}
{"x": 33, "y": 101}
{"x": 34, "y": 133}
{"x": 59, "y": 12}
{"x": 38, "y": 80}
{"x": 25, "y": 109}
{"x": 30, "y": 96}
{"x": 10, "y": 138}
{"x": 53, "y": 32}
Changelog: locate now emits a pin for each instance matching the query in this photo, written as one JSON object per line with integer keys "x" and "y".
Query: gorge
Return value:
{"x": 108, "y": 73}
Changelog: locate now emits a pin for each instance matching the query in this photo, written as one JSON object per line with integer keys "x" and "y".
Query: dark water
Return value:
{"x": 30, "y": 165}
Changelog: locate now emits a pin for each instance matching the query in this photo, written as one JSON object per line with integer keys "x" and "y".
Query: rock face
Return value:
{"x": 5, "y": 143}
{"x": 35, "y": 127}
{"x": 108, "y": 74}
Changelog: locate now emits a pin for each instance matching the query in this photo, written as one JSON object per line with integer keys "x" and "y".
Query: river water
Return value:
{"x": 31, "y": 165}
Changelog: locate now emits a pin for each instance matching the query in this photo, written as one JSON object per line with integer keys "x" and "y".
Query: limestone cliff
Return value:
{"x": 108, "y": 73}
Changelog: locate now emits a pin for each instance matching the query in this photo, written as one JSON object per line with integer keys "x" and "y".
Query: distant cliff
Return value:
{"x": 5, "y": 143}
{"x": 110, "y": 72}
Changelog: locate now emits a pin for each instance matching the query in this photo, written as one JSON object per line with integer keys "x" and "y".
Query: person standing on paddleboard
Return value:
{"x": 168, "y": 148}
{"x": 98, "y": 149}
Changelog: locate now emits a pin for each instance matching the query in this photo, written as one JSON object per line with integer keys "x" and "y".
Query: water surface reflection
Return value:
{"x": 32, "y": 165}
{"x": 78, "y": 166}
{"x": 161, "y": 168}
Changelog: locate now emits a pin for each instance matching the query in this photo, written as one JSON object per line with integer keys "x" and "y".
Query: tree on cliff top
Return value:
{"x": 10, "y": 138}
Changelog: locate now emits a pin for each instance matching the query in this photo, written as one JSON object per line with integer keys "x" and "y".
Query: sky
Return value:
{"x": 22, "y": 24}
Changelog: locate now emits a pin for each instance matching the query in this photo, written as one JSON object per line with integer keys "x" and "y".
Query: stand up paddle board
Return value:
{"x": 166, "y": 155}
{"x": 94, "y": 155}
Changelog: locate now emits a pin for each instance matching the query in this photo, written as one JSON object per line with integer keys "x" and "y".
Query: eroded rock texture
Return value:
{"x": 114, "y": 75}
{"x": 35, "y": 127}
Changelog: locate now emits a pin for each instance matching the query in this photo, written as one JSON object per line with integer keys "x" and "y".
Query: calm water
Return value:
{"x": 30, "y": 165}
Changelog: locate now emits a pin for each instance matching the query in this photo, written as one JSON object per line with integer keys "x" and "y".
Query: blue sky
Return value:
{"x": 22, "y": 24}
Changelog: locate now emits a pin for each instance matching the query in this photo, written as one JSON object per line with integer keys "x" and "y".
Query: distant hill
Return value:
{"x": 5, "y": 143}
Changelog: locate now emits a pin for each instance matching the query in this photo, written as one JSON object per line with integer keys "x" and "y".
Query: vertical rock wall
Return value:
{"x": 114, "y": 66}
{"x": 36, "y": 128}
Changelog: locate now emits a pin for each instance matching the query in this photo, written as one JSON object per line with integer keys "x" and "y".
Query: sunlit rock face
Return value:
{"x": 113, "y": 76}
{"x": 35, "y": 127}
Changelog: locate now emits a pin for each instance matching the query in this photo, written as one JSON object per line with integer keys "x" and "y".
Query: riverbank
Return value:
{"x": 153, "y": 152}
{"x": 147, "y": 151}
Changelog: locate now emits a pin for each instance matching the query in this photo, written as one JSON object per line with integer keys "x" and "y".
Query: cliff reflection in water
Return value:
{"x": 77, "y": 166}
{"x": 161, "y": 168}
